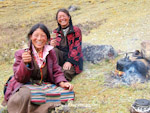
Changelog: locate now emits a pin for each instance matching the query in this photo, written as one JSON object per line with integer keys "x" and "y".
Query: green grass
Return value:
{"x": 127, "y": 25}
{"x": 91, "y": 91}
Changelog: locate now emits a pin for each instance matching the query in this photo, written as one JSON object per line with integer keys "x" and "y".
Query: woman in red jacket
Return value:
{"x": 68, "y": 45}
{"x": 34, "y": 86}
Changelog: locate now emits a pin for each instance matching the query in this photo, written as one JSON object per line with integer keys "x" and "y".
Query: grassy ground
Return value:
{"x": 122, "y": 24}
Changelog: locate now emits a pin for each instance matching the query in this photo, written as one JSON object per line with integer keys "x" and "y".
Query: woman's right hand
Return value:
{"x": 66, "y": 85}
{"x": 26, "y": 57}
{"x": 53, "y": 42}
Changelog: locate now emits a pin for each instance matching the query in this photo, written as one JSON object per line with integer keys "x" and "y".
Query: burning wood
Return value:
{"x": 134, "y": 69}
{"x": 118, "y": 73}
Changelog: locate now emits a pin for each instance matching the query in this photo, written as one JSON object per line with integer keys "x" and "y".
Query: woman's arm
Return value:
{"x": 21, "y": 71}
{"x": 74, "y": 54}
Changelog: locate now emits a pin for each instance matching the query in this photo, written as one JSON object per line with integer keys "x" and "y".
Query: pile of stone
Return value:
{"x": 96, "y": 53}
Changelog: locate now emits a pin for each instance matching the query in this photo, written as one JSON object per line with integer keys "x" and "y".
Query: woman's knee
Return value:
{"x": 23, "y": 94}
{"x": 69, "y": 75}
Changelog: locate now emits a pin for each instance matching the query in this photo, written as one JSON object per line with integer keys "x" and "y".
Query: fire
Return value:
{"x": 119, "y": 73}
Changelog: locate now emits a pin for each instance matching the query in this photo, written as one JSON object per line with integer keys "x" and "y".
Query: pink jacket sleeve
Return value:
{"x": 21, "y": 71}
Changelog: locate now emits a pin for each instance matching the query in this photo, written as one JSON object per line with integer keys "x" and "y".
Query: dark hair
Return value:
{"x": 42, "y": 27}
{"x": 67, "y": 13}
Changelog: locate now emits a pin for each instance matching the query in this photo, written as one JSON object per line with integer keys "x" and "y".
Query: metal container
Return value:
{"x": 123, "y": 63}
{"x": 140, "y": 106}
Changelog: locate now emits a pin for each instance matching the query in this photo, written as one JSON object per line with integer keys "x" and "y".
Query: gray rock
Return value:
{"x": 33, "y": 2}
{"x": 73, "y": 8}
{"x": 145, "y": 49}
{"x": 96, "y": 53}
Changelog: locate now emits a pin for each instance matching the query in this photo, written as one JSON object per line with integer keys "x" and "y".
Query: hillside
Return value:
{"x": 124, "y": 24}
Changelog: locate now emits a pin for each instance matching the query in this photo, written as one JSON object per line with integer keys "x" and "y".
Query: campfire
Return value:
{"x": 135, "y": 68}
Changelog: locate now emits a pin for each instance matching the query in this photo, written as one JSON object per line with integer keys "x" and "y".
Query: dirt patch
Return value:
{"x": 89, "y": 25}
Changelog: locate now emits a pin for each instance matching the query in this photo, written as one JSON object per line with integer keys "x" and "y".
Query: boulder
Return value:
{"x": 96, "y": 53}
{"x": 73, "y": 8}
{"x": 145, "y": 49}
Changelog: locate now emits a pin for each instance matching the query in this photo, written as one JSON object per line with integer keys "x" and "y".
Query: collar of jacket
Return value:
{"x": 71, "y": 30}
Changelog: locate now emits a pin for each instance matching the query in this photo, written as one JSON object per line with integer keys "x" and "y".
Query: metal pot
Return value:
{"x": 123, "y": 63}
{"x": 141, "y": 106}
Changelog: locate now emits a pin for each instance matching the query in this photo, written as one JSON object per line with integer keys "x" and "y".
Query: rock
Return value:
{"x": 145, "y": 49}
{"x": 73, "y": 8}
{"x": 96, "y": 53}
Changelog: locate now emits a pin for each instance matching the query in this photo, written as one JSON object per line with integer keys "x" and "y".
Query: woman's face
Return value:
{"x": 39, "y": 39}
{"x": 63, "y": 19}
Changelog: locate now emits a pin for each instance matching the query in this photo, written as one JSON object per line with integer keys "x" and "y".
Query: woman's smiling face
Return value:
{"x": 63, "y": 19}
{"x": 39, "y": 39}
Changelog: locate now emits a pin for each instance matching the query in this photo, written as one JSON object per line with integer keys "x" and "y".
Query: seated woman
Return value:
{"x": 68, "y": 45}
{"x": 38, "y": 82}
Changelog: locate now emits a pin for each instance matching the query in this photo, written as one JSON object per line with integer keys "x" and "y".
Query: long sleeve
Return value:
{"x": 21, "y": 72}
{"x": 75, "y": 53}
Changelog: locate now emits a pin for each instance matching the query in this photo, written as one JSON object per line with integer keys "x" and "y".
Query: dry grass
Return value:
{"x": 127, "y": 25}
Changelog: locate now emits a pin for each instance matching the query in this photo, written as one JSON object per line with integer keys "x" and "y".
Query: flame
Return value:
{"x": 119, "y": 73}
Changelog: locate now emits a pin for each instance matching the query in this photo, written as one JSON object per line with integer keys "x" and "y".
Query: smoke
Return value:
{"x": 134, "y": 73}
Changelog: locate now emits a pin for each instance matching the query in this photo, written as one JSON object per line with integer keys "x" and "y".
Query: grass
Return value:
{"x": 92, "y": 91}
{"x": 127, "y": 25}
{"x": 6, "y": 71}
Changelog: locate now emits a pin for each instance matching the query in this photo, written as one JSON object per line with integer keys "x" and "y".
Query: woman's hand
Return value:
{"x": 66, "y": 85}
{"x": 53, "y": 42}
{"x": 26, "y": 57}
{"x": 67, "y": 66}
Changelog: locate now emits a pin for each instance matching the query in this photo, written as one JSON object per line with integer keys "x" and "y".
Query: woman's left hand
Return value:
{"x": 66, "y": 85}
{"x": 67, "y": 66}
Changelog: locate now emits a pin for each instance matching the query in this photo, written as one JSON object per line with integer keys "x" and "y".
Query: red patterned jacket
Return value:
{"x": 74, "y": 40}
